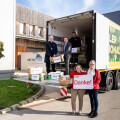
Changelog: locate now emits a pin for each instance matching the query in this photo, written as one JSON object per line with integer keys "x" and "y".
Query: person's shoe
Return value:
{"x": 94, "y": 115}
{"x": 79, "y": 114}
{"x": 73, "y": 113}
{"x": 91, "y": 113}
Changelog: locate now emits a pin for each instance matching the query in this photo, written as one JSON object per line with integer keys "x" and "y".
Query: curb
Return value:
{"x": 29, "y": 100}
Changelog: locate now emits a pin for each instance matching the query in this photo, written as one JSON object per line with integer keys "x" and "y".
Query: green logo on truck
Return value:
{"x": 114, "y": 44}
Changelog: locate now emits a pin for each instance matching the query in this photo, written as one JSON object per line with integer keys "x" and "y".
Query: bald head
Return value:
{"x": 51, "y": 38}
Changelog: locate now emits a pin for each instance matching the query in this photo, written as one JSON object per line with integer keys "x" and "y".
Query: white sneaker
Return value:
{"x": 80, "y": 113}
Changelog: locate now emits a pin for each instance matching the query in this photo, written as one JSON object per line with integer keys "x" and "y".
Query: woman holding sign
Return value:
{"x": 94, "y": 92}
{"x": 75, "y": 92}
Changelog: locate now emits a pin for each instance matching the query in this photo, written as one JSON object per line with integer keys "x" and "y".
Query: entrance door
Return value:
{"x": 18, "y": 51}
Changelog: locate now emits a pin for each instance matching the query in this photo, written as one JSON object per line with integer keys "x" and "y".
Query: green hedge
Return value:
{"x": 1, "y": 49}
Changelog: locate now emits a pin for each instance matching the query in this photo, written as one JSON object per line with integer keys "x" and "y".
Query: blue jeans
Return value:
{"x": 94, "y": 100}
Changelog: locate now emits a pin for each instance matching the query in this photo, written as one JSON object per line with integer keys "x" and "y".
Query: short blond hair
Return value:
{"x": 92, "y": 61}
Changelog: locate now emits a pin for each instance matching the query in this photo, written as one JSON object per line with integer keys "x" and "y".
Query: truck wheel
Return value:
{"x": 117, "y": 80}
{"x": 109, "y": 81}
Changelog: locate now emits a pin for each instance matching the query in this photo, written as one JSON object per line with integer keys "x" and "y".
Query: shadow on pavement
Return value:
{"x": 23, "y": 111}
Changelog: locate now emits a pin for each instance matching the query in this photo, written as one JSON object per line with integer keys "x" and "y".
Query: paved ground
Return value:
{"x": 47, "y": 108}
{"x": 109, "y": 109}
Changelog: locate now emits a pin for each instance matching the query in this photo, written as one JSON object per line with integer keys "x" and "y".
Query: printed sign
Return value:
{"x": 83, "y": 82}
{"x": 74, "y": 50}
{"x": 57, "y": 59}
{"x": 55, "y": 76}
{"x": 114, "y": 46}
{"x": 35, "y": 77}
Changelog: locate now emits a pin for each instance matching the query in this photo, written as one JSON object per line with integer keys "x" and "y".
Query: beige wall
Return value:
{"x": 26, "y": 15}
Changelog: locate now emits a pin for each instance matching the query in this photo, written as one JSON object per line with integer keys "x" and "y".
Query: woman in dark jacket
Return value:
{"x": 94, "y": 92}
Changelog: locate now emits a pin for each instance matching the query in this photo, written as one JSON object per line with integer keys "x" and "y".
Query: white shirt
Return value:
{"x": 91, "y": 72}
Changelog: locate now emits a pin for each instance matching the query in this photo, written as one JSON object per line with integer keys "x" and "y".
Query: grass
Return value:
{"x": 13, "y": 91}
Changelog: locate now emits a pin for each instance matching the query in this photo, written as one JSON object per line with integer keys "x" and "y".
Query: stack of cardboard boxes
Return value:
{"x": 36, "y": 73}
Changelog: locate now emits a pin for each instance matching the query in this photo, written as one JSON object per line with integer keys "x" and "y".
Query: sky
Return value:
{"x": 61, "y": 8}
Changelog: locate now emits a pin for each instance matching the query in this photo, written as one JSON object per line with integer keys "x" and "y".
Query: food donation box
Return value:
{"x": 75, "y": 50}
{"x": 57, "y": 59}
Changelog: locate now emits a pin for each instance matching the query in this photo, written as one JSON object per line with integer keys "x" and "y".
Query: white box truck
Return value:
{"x": 100, "y": 35}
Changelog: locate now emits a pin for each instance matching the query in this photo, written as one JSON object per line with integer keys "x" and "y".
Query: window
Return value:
{"x": 40, "y": 32}
{"x": 22, "y": 28}
{"x": 32, "y": 30}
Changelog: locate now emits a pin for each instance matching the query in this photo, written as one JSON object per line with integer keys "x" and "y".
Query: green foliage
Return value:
{"x": 1, "y": 49}
{"x": 13, "y": 92}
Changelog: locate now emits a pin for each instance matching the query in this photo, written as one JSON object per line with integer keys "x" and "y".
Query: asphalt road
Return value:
{"x": 109, "y": 109}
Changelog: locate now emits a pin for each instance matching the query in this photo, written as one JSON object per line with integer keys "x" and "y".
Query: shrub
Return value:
{"x": 1, "y": 49}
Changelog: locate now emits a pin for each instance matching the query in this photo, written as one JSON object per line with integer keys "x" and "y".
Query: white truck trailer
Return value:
{"x": 7, "y": 37}
{"x": 100, "y": 35}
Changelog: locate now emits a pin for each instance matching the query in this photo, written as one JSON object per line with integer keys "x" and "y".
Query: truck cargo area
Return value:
{"x": 82, "y": 25}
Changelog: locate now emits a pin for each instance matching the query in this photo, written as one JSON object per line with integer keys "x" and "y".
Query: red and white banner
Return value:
{"x": 83, "y": 82}
{"x": 63, "y": 91}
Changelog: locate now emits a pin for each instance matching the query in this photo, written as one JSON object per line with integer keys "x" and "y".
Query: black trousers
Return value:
{"x": 48, "y": 67}
{"x": 67, "y": 65}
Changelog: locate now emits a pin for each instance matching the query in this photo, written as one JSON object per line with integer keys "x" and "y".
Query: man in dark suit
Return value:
{"x": 51, "y": 51}
{"x": 67, "y": 55}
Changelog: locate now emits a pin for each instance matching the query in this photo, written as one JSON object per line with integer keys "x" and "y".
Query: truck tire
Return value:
{"x": 109, "y": 81}
{"x": 117, "y": 80}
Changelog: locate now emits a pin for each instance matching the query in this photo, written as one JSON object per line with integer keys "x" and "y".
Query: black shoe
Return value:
{"x": 91, "y": 113}
{"x": 73, "y": 113}
{"x": 94, "y": 115}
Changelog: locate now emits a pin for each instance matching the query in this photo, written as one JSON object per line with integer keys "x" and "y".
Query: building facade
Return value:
{"x": 30, "y": 31}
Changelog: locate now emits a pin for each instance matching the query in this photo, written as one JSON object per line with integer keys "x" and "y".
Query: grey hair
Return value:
{"x": 51, "y": 36}
{"x": 92, "y": 61}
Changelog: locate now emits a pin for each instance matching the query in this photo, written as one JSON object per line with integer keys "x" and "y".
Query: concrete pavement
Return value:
{"x": 109, "y": 109}
{"x": 51, "y": 109}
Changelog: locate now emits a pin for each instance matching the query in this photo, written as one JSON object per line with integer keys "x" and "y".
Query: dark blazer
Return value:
{"x": 68, "y": 50}
{"x": 49, "y": 53}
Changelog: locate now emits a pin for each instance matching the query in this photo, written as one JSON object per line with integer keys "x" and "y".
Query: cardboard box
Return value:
{"x": 35, "y": 70}
{"x": 75, "y": 50}
{"x": 55, "y": 75}
{"x": 81, "y": 59}
{"x": 36, "y": 76}
{"x": 57, "y": 59}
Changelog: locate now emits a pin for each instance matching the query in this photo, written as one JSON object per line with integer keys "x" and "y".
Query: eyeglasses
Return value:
{"x": 92, "y": 64}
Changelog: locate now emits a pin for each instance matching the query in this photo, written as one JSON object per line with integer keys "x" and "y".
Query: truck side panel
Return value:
{"x": 102, "y": 42}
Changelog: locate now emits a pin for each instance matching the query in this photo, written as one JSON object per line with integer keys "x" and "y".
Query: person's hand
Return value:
{"x": 50, "y": 57}
{"x": 54, "y": 55}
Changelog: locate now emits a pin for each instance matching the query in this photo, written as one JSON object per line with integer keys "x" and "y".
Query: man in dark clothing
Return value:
{"x": 51, "y": 51}
{"x": 67, "y": 55}
{"x": 76, "y": 42}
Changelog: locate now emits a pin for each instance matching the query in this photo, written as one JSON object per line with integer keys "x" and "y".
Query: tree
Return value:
{"x": 1, "y": 49}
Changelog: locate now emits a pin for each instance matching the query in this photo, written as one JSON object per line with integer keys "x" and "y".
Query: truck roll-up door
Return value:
{"x": 102, "y": 42}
